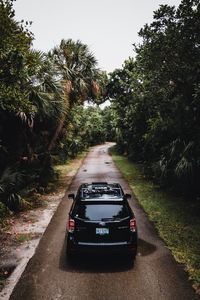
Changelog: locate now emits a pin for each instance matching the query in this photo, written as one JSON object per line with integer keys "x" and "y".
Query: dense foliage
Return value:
{"x": 87, "y": 126}
{"x": 156, "y": 98}
{"x": 39, "y": 117}
{"x": 154, "y": 116}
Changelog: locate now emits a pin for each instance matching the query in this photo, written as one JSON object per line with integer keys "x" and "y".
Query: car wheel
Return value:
{"x": 69, "y": 254}
{"x": 131, "y": 258}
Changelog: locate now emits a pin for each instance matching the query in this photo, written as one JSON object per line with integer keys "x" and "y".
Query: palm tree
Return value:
{"x": 45, "y": 93}
{"x": 77, "y": 68}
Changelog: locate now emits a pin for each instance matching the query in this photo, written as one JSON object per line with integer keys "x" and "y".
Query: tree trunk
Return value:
{"x": 67, "y": 91}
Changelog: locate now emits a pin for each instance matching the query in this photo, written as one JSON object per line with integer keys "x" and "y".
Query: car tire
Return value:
{"x": 69, "y": 254}
{"x": 131, "y": 258}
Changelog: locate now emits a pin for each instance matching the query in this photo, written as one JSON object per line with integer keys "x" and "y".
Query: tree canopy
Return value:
{"x": 156, "y": 98}
{"x": 154, "y": 112}
{"x": 39, "y": 96}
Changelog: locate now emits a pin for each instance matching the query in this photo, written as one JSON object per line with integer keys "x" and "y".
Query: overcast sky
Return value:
{"x": 108, "y": 27}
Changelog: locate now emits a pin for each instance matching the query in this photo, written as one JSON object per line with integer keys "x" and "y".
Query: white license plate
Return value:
{"x": 102, "y": 231}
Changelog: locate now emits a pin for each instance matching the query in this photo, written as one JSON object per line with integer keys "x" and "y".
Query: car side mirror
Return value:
{"x": 127, "y": 196}
{"x": 71, "y": 196}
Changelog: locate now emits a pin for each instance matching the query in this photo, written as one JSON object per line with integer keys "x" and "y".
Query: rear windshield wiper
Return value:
{"x": 107, "y": 219}
{"x": 115, "y": 219}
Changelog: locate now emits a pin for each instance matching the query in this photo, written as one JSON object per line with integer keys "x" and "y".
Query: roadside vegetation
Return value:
{"x": 156, "y": 99}
{"x": 154, "y": 118}
{"x": 43, "y": 120}
{"x": 13, "y": 237}
{"x": 155, "y": 104}
{"x": 176, "y": 219}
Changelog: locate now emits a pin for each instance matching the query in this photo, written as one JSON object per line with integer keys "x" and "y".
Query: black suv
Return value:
{"x": 101, "y": 221}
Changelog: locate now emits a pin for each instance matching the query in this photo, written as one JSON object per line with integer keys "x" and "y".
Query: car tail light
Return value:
{"x": 133, "y": 225}
{"x": 71, "y": 225}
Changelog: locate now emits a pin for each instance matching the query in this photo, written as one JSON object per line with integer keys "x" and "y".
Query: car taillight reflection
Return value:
{"x": 71, "y": 225}
{"x": 133, "y": 225}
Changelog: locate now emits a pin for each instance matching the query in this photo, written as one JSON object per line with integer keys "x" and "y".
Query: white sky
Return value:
{"x": 108, "y": 27}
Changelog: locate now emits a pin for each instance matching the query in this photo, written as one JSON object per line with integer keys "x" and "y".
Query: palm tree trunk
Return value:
{"x": 67, "y": 91}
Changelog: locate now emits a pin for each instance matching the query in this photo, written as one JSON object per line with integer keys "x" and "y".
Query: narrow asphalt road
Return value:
{"x": 155, "y": 275}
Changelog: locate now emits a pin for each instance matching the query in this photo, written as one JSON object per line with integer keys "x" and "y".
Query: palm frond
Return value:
{"x": 10, "y": 183}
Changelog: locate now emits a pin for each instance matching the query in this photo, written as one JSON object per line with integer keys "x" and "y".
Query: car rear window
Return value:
{"x": 94, "y": 212}
{"x": 100, "y": 192}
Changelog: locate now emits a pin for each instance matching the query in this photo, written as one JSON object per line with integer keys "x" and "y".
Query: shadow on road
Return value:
{"x": 101, "y": 263}
{"x": 145, "y": 248}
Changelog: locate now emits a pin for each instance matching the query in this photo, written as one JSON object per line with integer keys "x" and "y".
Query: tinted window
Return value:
{"x": 96, "y": 212}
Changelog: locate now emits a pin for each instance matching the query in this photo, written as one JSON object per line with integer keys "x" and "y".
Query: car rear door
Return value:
{"x": 102, "y": 223}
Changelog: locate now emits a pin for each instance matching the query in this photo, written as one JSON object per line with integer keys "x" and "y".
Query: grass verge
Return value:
{"x": 176, "y": 219}
{"x": 69, "y": 168}
{"x": 33, "y": 198}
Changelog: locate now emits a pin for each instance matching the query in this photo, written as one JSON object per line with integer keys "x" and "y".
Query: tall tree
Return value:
{"x": 159, "y": 97}
{"x": 77, "y": 68}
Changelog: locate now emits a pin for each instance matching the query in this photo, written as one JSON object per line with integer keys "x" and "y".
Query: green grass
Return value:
{"x": 64, "y": 173}
{"x": 176, "y": 219}
{"x": 23, "y": 237}
{"x": 71, "y": 166}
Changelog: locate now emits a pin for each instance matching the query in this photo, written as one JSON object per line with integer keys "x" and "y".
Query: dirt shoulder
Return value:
{"x": 20, "y": 238}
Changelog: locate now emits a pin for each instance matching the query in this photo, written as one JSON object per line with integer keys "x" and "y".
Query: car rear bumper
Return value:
{"x": 118, "y": 248}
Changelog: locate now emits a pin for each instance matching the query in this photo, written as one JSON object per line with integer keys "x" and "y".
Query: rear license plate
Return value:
{"x": 102, "y": 231}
